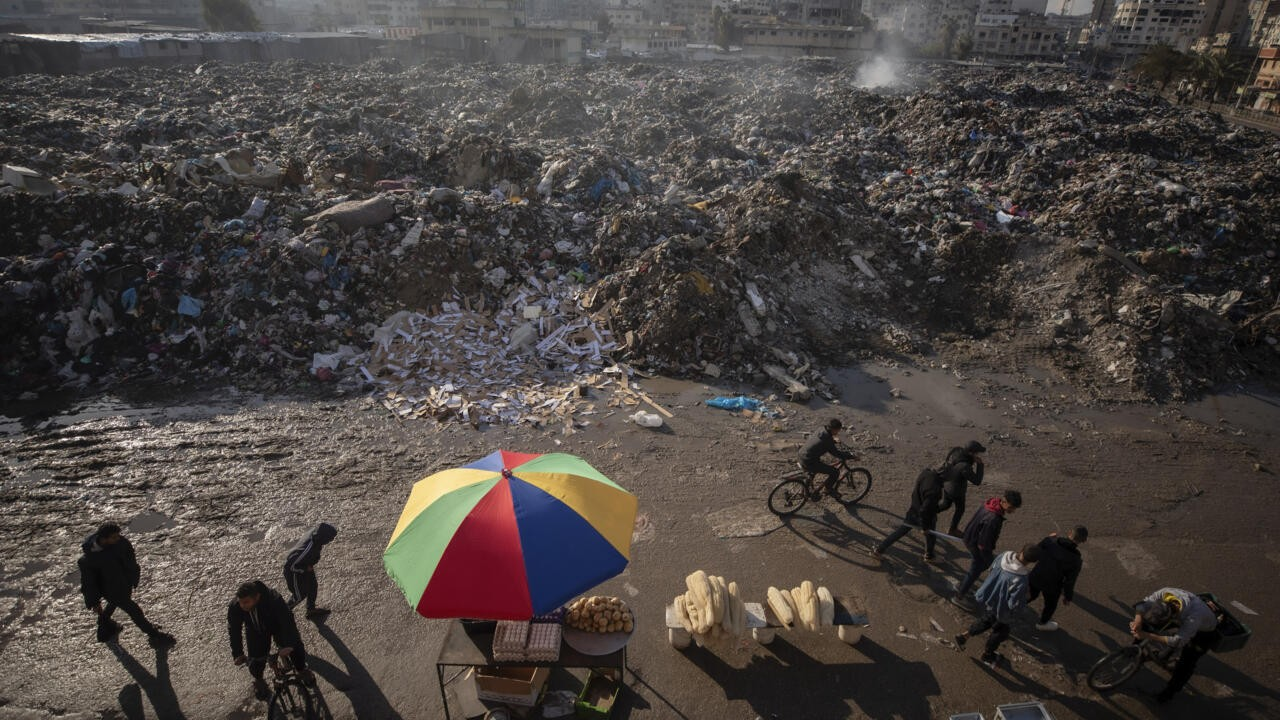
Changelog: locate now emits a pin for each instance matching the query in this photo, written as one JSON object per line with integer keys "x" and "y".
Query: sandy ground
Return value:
{"x": 216, "y": 489}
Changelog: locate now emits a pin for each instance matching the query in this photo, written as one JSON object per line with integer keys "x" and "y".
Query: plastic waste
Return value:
{"x": 741, "y": 402}
{"x": 646, "y": 419}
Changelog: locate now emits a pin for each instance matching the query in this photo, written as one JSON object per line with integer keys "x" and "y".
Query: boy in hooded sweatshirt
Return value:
{"x": 300, "y": 569}
{"x": 981, "y": 535}
{"x": 1002, "y": 596}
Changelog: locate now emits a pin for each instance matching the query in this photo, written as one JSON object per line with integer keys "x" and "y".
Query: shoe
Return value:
{"x": 875, "y": 553}
{"x": 1047, "y": 626}
{"x": 109, "y": 632}
{"x": 931, "y": 559}
{"x": 260, "y": 689}
{"x": 162, "y": 640}
{"x": 1163, "y": 697}
{"x": 960, "y": 641}
{"x": 308, "y": 678}
{"x": 961, "y": 602}
{"x": 992, "y": 660}
{"x": 318, "y": 613}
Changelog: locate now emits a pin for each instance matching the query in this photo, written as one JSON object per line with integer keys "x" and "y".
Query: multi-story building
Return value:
{"x": 1264, "y": 23}
{"x": 1266, "y": 81}
{"x": 776, "y": 39}
{"x": 1018, "y": 30}
{"x": 1140, "y": 24}
{"x": 923, "y": 22}
{"x": 694, "y": 15}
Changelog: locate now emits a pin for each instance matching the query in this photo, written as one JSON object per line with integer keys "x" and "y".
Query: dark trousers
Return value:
{"x": 1186, "y": 666}
{"x": 1050, "y": 601}
{"x": 929, "y": 539}
{"x": 981, "y": 561}
{"x": 958, "y": 502}
{"x": 303, "y": 586}
{"x": 298, "y": 657}
{"x": 131, "y": 609}
{"x": 999, "y": 632}
{"x": 817, "y": 467}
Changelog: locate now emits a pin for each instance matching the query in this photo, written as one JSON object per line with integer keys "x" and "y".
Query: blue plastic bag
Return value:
{"x": 741, "y": 402}
{"x": 188, "y": 305}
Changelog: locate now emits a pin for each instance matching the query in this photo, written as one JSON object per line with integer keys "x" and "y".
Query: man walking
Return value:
{"x": 259, "y": 615}
{"x": 1055, "y": 575}
{"x": 109, "y": 572}
{"x": 300, "y": 569}
{"x": 964, "y": 467}
{"x": 981, "y": 535}
{"x": 923, "y": 513}
{"x": 1002, "y": 596}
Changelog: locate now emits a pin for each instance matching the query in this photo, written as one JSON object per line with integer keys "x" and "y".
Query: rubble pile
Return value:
{"x": 485, "y": 242}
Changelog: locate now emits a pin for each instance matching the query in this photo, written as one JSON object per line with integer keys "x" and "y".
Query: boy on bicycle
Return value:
{"x": 825, "y": 444}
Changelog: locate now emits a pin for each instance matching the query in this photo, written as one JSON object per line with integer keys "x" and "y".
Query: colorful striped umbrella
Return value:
{"x": 509, "y": 536}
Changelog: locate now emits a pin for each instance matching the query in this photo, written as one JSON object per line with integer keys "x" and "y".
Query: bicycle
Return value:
{"x": 290, "y": 696}
{"x": 1117, "y": 666}
{"x": 798, "y": 487}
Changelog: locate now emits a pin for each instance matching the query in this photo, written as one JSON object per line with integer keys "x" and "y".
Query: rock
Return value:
{"x": 355, "y": 214}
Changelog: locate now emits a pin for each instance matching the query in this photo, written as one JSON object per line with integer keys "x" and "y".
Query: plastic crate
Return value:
{"x": 1023, "y": 711}
{"x": 1231, "y": 633}
{"x": 597, "y": 698}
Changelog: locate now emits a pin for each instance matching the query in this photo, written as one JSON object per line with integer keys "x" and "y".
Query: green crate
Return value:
{"x": 596, "y": 700}
{"x": 1231, "y": 633}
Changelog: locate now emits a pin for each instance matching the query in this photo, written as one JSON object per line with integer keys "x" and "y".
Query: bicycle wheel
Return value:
{"x": 291, "y": 701}
{"x": 788, "y": 497}
{"x": 854, "y": 485}
{"x": 1115, "y": 668}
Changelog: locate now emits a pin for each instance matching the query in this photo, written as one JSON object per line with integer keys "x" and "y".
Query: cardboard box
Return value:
{"x": 515, "y": 685}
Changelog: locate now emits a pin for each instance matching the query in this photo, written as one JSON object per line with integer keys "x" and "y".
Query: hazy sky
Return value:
{"x": 1078, "y": 7}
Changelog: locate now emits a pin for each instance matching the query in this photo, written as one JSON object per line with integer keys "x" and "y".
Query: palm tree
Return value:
{"x": 1161, "y": 64}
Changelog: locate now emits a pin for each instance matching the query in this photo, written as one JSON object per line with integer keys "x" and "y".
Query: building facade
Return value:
{"x": 1141, "y": 24}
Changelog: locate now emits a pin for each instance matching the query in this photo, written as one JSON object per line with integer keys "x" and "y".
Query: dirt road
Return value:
{"x": 216, "y": 489}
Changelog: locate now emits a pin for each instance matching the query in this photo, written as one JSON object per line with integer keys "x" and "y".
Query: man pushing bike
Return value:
{"x": 1195, "y": 623}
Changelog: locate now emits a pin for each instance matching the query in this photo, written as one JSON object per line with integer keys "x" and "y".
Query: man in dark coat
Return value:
{"x": 1055, "y": 575}
{"x": 981, "y": 535}
{"x": 300, "y": 568}
{"x": 824, "y": 444}
{"x": 109, "y": 572}
{"x": 259, "y": 615}
{"x": 963, "y": 468}
{"x": 923, "y": 513}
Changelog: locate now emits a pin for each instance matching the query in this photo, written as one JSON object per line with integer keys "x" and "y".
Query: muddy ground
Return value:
{"x": 216, "y": 487}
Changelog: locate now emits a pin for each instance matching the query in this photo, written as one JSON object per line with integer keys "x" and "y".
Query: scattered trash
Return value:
{"x": 646, "y": 419}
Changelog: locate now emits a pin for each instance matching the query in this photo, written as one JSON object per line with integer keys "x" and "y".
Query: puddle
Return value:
{"x": 940, "y": 393}
{"x": 150, "y": 521}
{"x": 1254, "y": 412}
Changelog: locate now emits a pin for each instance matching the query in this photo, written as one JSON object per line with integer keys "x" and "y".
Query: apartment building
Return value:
{"x": 1140, "y": 24}
{"x": 922, "y": 22}
{"x": 777, "y": 39}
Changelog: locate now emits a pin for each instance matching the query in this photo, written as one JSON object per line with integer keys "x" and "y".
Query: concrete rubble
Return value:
{"x": 487, "y": 243}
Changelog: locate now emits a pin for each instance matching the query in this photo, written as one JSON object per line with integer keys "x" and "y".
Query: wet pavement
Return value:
{"x": 213, "y": 489}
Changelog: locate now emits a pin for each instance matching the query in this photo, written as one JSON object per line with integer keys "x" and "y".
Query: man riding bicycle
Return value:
{"x": 1195, "y": 623}
{"x": 825, "y": 444}
{"x": 260, "y": 615}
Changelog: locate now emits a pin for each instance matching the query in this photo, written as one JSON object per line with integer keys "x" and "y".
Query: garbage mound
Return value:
{"x": 486, "y": 243}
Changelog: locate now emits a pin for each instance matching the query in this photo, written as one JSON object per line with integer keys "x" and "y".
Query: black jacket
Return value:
{"x": 270, "y": 619}
{"x": 959, "y": 472}
{"x": 1059, "y": 566}
{"x": 108, "y": 572}
{"x": 983, "y": 530}
{"x": 821, "y": 445}
{"x": 306, "y": 553}
{"x": 924, "y": 500}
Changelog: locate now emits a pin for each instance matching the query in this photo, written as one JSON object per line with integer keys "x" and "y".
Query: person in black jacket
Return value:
{"x": 109, "y": 571}
{"x": 963, "y": 468}
{"x": 300, "y": 569}
{"x": 923, "y": 513}
{"x": 824, "y": 444}
{"x": 981, "y": 535}
{"x": 259, "y": 615}
{"x": 1055, "y": 575}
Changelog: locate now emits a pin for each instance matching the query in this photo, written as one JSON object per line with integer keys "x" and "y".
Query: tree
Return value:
{"x": 1161, "y": 64}
{"x": 603, "y": 25}
{"x": 964, "y": 46}
{"x": 230, "y": 15}
{"x": 727, "y": 31}
{"x": 948, "y": 37}
{"x": 1215, "y": 74}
